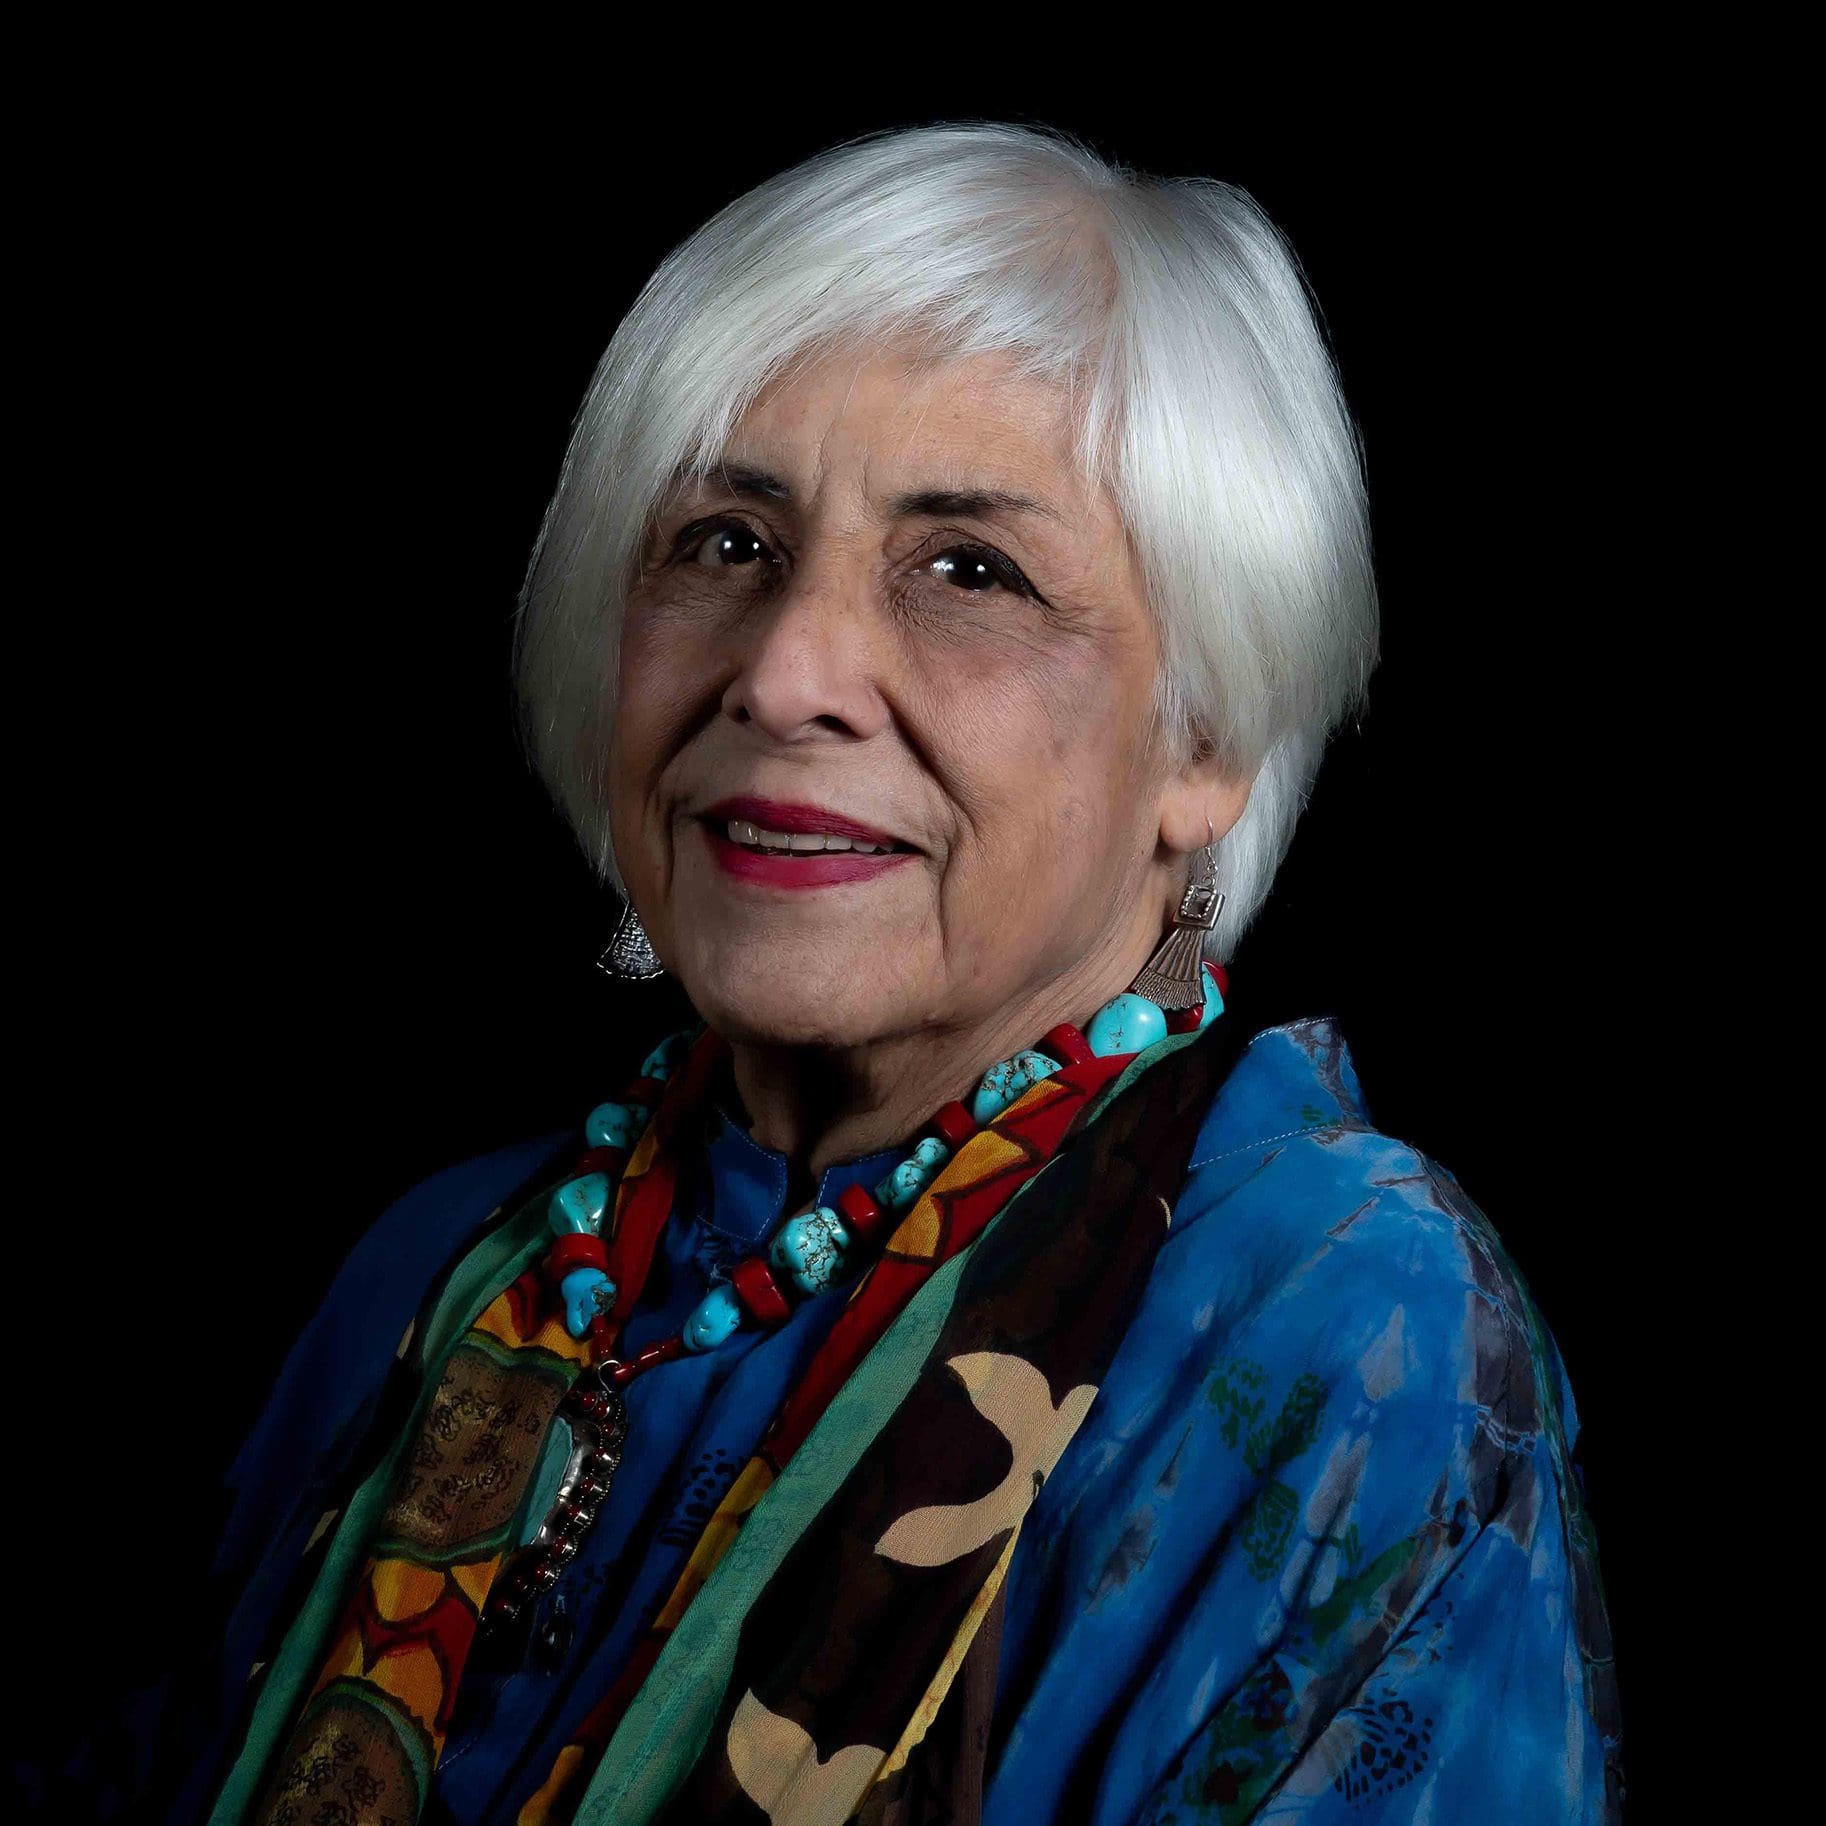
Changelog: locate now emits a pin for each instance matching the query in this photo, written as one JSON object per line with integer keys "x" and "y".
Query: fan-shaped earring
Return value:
{"x": 1174, "y": 976}
{"x": 630, "y": 955}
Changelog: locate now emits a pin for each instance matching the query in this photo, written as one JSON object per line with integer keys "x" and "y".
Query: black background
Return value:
{"x": 312, "y": 930}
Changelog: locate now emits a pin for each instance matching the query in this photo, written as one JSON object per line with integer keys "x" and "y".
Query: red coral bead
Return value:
{"x": 1067, "y": 1045}
{"x": 664, "y": 1351}
{"x": 861, "y": 1210}
{"x": 954, "y": 1125}
{"x": 757, "y": 1289}
{"x": 600, "y": 1160}
{"x": 576, "y": 1251}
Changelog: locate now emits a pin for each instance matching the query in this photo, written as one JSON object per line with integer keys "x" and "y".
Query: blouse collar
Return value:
{"x": 749, "y": 1182}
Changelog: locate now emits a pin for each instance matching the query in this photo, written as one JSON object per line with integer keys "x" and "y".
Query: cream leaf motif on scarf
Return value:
{"x": 1014, "y": 1397}
{"x": 777, "y": 1764}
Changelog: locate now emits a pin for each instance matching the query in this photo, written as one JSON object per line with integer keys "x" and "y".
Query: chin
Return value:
{"x": 758, "y": 999}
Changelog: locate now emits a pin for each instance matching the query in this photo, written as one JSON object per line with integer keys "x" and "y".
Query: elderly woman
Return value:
{"x": 968, "y": 1375}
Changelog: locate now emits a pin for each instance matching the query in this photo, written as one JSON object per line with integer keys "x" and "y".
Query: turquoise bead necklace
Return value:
{"x": 816, "y": 1250}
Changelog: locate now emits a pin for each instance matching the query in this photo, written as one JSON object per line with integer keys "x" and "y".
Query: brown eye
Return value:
{"x": 722, "y": 545}
{"x": 975, "y": 569}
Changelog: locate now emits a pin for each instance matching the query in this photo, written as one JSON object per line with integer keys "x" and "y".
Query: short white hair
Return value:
{"x": 1207, "y": 403}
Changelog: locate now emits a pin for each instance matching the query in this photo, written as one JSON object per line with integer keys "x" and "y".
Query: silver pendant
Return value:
{"x": 597, "y": 1414}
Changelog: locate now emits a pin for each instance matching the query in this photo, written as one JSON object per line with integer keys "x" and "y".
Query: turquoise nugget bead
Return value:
{"x": 715, "y": 1319}
{"x": 577, "y": 1206}
{"x": 1214, "y": 1005}
{"x": 810, "y": 1248}
{"x": 903, "y": 1186}
{"x": 613, "y": 1125}
{"x": 1129, "y": 1023}
{"x": 1008, "y": 1083}
{"x": 666, "y": 1055}
{"x": 586, "y": 1292}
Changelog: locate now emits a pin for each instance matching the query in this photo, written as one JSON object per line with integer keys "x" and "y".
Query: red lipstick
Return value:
{"x": 813, "y": 869}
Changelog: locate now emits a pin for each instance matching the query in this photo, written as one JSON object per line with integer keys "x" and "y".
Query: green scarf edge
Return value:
{"x": 667, "y": 1725}
{"x": 496, "y": 1262}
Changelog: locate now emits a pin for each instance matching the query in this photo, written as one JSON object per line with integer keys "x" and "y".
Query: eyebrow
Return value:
{"x": 919, "y": 503}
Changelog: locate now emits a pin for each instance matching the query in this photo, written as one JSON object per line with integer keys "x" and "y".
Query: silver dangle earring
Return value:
{"x": 1174, "y": 976}
{"x": 630, "y": 955}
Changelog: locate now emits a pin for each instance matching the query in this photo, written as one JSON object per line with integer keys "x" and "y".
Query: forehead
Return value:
{"x": 894, "y": 419}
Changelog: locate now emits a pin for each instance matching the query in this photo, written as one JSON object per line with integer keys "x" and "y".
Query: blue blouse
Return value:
{"x": 1318, "y": 1552}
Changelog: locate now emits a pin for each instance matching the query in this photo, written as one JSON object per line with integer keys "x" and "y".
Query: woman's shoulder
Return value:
{"x": 414, "y": 1234}
{"x": 1328, "y": 1452}
{"x": 1322, "y": 1280}
{"x": 1305, "y": 1221}
{"x": 362, "y": 1324}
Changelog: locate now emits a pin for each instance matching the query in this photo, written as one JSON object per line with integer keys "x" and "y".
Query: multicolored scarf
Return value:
{"x": 836, "y": 1616}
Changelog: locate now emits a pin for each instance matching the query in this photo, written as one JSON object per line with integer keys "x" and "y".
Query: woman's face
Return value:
{"x": 898, "y": 617}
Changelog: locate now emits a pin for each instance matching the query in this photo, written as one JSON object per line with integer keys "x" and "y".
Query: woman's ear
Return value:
{"x": 1202, "y": 800}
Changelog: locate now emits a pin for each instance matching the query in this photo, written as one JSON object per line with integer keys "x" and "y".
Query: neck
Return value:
{"x": 819, "y": 1105}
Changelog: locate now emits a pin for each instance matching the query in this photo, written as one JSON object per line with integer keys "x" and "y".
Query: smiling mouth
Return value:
{"x": 764, "y": 842}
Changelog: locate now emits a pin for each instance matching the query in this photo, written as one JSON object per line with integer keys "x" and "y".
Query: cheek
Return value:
{"x": 659, "y": 669}
{"x": 658, "y": 699}
{"x": 1037, "y": 752}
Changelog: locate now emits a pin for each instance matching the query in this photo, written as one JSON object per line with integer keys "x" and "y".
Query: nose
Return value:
{"x": 807, "y": 666}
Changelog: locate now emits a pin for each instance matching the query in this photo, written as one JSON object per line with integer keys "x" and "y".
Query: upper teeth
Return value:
{"x": 740, "y": 831}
